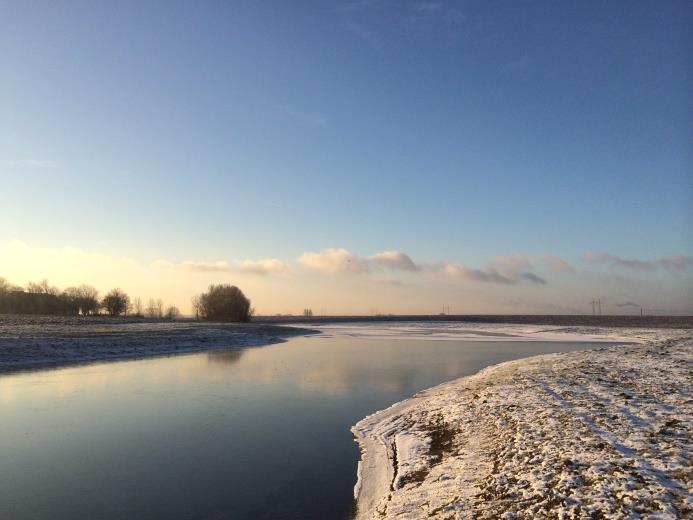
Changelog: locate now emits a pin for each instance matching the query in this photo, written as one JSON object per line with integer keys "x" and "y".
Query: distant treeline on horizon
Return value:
{"x": 44, "y": 298}
{"x": 221, "y": 302}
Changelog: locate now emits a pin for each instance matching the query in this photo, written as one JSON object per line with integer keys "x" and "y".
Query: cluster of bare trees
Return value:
{"x": 220, "y": 303}
{"x": 84, "y": 299}
{"x": 155, "y": 309}
{"x": 44, "y": 298}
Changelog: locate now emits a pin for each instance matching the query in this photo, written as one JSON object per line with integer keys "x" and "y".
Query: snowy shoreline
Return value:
{"x": 597, "y": 432}
{"x": 36, "y": 343}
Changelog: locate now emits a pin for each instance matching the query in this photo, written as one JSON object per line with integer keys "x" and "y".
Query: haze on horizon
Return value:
{"x": 353, "y": 157}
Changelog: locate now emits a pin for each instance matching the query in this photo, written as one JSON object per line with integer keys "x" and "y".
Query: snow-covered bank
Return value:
{"x": 598, "y": 433}
{"x": 28, "y": 342}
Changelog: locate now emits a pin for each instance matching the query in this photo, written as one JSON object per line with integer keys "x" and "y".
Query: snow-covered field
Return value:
{"x": 602, "y": 433}
{"x": 28, "y": 342}
{"x": 456, "y": 331}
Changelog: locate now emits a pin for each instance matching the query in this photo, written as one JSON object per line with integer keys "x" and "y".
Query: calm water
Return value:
{"x": 254, "y": 433}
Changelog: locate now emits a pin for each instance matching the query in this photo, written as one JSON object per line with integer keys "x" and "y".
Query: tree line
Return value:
{"x": 221, "y": 302}
{"x": 44, "y": 298}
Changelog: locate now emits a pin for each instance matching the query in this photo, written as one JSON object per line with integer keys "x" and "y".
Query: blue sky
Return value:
{"x": 455, "y": 132}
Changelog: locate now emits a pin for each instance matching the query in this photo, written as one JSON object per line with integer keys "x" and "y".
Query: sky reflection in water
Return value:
{"x": 252, "y": 433}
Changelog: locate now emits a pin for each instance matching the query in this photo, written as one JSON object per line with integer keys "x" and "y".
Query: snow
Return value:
{"x": 28, "y": 342}
{"x": 460, "y": 331}
{"x": 597, "y": 433}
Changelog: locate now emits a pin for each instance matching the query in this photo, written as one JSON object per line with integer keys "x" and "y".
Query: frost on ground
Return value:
{"x": 603, "y": 433}
{"x": 457, "y": 331}
{"x": 28, "y": 342}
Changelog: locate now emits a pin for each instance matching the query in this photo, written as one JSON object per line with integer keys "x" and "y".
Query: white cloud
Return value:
{"x": 189, "y": 265}
{"x": 262, "y": 267}
{"x": 533, "y": 278}
{"x": 340, "y": 260}
{"x": 394, "y": 260}
{"x": 507, "y": 270}
{"x": 492, "y": 274}
{"x": 524, "y": 262}
{"x": 512, "y": 263}
{"x": 669, "y": 263}
{"x": 219, "y": 266}
{"x": 254, "y": 267}
{"x": 383, "y": 277}
{"x": 557, "y": 264}
{"x": 334, "y": 261}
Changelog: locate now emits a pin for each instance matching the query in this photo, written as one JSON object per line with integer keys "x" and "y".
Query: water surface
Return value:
{"x": 229, "y": 434}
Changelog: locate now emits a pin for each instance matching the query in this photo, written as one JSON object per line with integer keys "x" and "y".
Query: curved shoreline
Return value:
{"x": 48, "y": 343}
{"x": 458, "y": 450}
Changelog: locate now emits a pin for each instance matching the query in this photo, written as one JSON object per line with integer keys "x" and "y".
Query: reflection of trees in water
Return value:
{"x": 227, "y": 356}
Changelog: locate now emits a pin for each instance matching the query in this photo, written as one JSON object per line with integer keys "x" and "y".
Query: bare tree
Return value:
{"x": 307, "y": 313}
{"x": 137, "y": 306}
{"x": 159, "y": 308}
{"x": 42, "y": 287}
{"x": 116, "y": 302}
{"x": 196, "y": 306}
{"x": 7, "y": 287}
{"x": 172, "y": 313}
{"x": 151, "y": 311}
{"x": 88, "y": 299}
